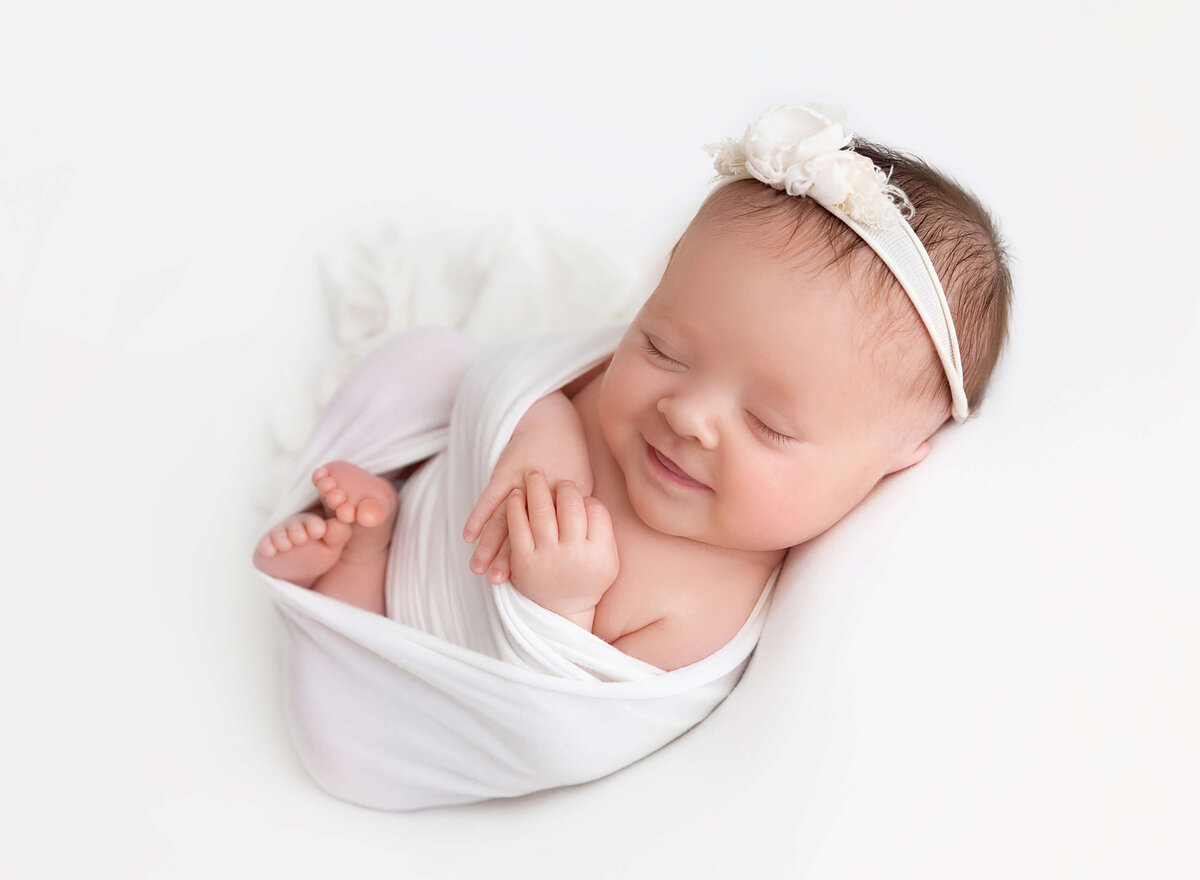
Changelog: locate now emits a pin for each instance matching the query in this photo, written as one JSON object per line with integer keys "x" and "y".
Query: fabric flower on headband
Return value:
{"x": 801, "y": 149}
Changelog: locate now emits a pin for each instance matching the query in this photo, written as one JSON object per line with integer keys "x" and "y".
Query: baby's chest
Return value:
{"x": 658, "y": 581}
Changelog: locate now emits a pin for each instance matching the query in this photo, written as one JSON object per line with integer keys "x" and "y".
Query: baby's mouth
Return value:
{"x": 673, "y": 469}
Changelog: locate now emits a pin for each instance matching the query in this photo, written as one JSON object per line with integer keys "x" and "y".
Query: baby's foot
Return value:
{"x": 359, "y": 499}
{"x": 302, "y": 548}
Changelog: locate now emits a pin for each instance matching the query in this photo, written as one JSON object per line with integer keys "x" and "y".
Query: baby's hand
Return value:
{"x": 564, "y": 555}
{"x": 550, "y": 437}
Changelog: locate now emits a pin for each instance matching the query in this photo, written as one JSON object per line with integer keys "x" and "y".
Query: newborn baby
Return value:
{"x": 774, "y": 377}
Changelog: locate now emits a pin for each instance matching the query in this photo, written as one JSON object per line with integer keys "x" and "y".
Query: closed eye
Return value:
{"x": 653, "y": 351}
{"x": 770, "y": 433}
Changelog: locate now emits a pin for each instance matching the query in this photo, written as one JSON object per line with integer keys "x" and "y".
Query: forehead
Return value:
{"x": 791, "y": 323}
{"x": 736, "y": 288}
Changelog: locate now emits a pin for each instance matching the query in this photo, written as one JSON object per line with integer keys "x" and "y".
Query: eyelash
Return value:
{"x": 770, "y": 433}
{"x": 652, "y": 350}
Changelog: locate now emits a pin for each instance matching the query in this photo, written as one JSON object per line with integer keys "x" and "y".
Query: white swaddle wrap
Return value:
{"x": 465, "y": 690}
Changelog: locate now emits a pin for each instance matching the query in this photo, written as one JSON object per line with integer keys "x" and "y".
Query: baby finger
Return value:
{"x": 493, "y": 536}
{"x": 572, "y": 518}
{"x": 599, "y": 523}
{"x": 485, "y": 508}
{"x": 502, "y": 566}
{"x": 519, "y": 533}
{"x": 542, "y": 518}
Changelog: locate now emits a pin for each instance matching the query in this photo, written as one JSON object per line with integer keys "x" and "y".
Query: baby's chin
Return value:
{"x": 645, "y": 509}
{"x": 653, "y": 513}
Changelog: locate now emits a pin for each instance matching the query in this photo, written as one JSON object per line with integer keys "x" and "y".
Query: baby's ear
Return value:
{"x": 914, "y": 456}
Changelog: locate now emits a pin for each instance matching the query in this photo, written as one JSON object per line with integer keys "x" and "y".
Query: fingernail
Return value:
{"x": 476, "y": 566}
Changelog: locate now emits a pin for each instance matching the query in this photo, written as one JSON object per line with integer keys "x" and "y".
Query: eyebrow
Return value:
{"x": 656, "y": 313}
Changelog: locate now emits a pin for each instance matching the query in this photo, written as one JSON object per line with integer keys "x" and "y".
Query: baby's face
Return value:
{"x": 738, "y": 405}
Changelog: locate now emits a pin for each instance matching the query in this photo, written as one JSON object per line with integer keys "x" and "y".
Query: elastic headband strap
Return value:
{"x": 900, "y": 249}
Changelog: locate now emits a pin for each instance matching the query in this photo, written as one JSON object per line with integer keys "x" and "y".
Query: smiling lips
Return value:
{"x": 672, "y": 470}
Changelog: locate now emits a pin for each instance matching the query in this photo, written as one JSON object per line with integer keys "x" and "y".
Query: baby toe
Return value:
{"x": 320, "y": 472}
{"x": 344, "y": 512}
{"x": 336, "y": 498}
{"x": 326, "y": 483}
{"x": 370, "y": 512}
{"x": 296, "y": 533}
{"x": 337, "y": 533}
{"x": 265, "y": 547}
{"x": 315, "y": 526}
{"x": 280, "y": 539}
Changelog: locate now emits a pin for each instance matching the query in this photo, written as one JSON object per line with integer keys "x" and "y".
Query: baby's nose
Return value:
{"x": 688, "y": 417}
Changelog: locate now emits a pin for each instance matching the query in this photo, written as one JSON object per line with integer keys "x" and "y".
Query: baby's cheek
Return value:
{"x": 772, "y": 518}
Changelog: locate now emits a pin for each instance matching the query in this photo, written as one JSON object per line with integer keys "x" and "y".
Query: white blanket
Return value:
{"x": 465, "y": 690}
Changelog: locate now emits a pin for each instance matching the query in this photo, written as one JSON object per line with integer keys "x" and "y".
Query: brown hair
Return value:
{"x": 958, "y": 233}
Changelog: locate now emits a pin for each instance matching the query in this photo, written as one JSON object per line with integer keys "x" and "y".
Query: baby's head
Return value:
{"x": 781, "y": 370}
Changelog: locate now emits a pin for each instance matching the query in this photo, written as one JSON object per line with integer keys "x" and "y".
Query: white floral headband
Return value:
{"x": 802, "y": 150}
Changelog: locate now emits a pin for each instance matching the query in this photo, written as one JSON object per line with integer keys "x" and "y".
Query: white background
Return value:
{"x": 1004, "y": 685}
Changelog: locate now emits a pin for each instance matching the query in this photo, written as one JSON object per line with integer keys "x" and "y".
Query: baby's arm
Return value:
{"x": 549, "y": 437}
{"x": 564, "y": 555}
